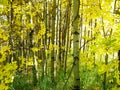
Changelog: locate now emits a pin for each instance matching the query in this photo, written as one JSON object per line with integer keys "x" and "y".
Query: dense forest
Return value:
{"x": 59, "y": 44}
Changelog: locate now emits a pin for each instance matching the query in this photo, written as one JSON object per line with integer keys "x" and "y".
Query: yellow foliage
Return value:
{"x": 64, "y": 3}
{"x": 41, "y": 32}
{"x": 51, "y": 46}
{"x": 49, "y": 35}
{"x": 102, "y": 68}
{"x": 6, "y": 74}
{"x": 56, "y": 47}
{"x": 117, "y": 73}
{"x": 35, "y": 49}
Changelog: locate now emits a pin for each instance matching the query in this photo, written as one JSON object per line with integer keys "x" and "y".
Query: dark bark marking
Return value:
{"x": 76, "y": 33}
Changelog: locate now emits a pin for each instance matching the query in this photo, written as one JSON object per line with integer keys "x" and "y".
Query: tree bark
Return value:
{"x": 76, "y": 4}
{"x": 52, "y": 41}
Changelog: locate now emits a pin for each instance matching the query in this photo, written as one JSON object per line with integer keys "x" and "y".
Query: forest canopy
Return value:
{"x": 59, "y": 44}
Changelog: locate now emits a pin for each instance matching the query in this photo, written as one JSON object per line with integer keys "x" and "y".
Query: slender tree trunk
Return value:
{"x": 45, "y": 40}
{"x": 76, "y": 4}
{"x": 106, "y": 58}
{"x": 81, "y": 24}
{"x": 68, "y": 36}
{"x": 119, "y": 65}
{"x": 60, "y": 40}
{"x": 105, "y": 74}
{"x": 84, "y": 47}
{"x": 11, "y": 28}
{"x": 53, "y": 41}
{"x": 31, "y": 53}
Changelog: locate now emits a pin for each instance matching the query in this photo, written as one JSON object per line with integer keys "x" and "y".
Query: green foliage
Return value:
{"x": 22, "y": 82}
{"x": 26, "y": 36}
{"x": 90, "y": 78}
{"x": 7, "y": 69}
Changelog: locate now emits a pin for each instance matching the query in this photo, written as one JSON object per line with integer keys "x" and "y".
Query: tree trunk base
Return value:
{"x": 76, "y": 88}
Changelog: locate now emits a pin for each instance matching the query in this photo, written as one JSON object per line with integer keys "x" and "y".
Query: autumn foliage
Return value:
{"x": 59, "y": 44}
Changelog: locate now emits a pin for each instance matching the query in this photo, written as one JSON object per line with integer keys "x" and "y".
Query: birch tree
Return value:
{"x": 76, "y": 4}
